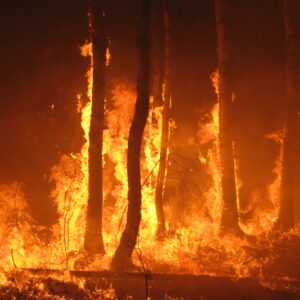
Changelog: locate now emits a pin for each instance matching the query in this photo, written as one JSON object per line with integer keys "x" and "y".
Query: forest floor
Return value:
{"x": 279, "y": 278}
{"x": 87, "y": 285}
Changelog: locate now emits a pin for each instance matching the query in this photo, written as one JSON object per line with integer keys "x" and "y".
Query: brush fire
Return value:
{"x": 150, "y": 150}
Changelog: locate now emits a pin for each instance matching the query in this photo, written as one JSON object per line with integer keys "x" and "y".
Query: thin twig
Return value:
{"x": 120, "y": 222}
{"x": 66, "y": 227}
{"x": 142, "y": 185}
{"x": 150, "y": 173}
{"x": 17, "y": 221}
{"x": 13, "y": 259}
{"x": 16, "y": 193}
{"x": 146, "y": 273}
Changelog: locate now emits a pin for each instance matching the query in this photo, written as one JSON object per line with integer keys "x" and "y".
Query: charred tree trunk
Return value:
{"x": 93, "y": 241}
{"x": 229, "y": 218}
{"x": 157, "y": 54}
{"x": 287, "y": 200}
{"x": 122, "y": 257}
{"x": 161, "y": 228}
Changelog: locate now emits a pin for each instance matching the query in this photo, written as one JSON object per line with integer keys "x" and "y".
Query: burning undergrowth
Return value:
{"x": 192, "y": 243}
{"x": 193, "y": 247}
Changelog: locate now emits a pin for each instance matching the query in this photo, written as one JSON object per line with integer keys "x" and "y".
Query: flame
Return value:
{"x": 108, "y": 57}
{"x": 214, "y": 194}
{"x": 274, "y": 188}
{"x": 194, "y": 246}
{"x": 210, "y": 132}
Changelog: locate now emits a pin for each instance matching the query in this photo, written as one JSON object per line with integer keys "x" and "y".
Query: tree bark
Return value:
{"x": 157, "y": 55}
{"x": 122, "y": 257}
{"x": 93, "y": 242}
{"x": 160, "y": 182}
{"x": 286, "y": 216}
{"x": 229, "y": 217}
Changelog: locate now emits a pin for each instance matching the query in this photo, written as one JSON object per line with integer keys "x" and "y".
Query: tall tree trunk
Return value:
{"x": 292, "y": 105}
{"x": 122, "y": 257}
{"x": 93, "y": 242}
{"x": 157, "y": 54}
{"x": 229, "y": 218}
{"x": 161, "y": 228}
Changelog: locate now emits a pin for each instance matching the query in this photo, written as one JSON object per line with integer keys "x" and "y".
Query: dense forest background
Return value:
{"x": 41, "y": 72}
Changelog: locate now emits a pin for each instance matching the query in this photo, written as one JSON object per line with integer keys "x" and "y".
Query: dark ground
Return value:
{"x": 185, "y": 287}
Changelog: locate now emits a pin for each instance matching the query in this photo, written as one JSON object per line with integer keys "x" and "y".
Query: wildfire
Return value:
{"x": 193, "y": 247}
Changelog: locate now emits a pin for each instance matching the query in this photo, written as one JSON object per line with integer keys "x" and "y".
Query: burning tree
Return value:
{"x": 229, "y": 218}
{"x": 122, "y": 257}
{"x": 201, "y": 178}
{"x": 291, "y": 117}
{"x": 93, "y": 242}
{"x": 166, "y": 92}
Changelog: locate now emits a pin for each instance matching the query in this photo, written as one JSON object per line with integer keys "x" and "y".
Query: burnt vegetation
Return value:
{"x": 150, "y": 149}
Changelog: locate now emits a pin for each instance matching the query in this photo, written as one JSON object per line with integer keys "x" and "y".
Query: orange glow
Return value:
{"x": 194, "y": 247}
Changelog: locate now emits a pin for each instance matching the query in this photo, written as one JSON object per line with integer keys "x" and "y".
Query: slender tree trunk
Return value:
{"x": 122, "y": 257}
{"x": 229, "y": 218}
{"x": 157, "y": 55}
{"x": 161, "y": 228}
{"x": 292, "y": 28}
{"x": 93, "y": 242}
